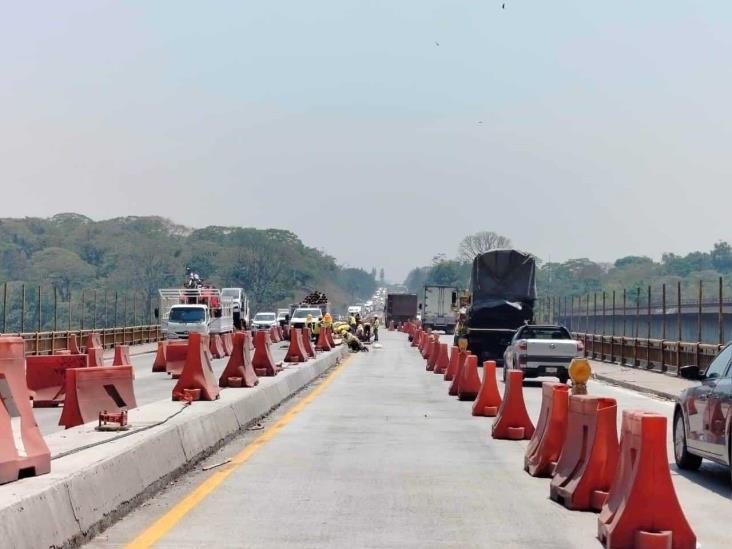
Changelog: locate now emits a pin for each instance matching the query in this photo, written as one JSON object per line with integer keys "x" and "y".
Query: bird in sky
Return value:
{"x": 437, "y": 43}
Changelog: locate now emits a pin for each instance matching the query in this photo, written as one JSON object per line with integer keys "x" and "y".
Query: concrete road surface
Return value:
{"x": 382, "y": 457}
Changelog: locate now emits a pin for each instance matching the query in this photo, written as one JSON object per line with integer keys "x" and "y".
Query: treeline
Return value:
{"x": 580, "y": 277}
{"x": 70, "y": 252}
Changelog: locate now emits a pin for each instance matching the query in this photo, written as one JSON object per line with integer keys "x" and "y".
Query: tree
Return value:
{"x": 630, "y": 260}
{"x": 481, "y": 242}
{"x": 722, "y": 257}
{"x": 62, "y": 267}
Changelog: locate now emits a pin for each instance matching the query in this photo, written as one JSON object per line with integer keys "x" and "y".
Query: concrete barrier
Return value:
{"x": 88, "y": 490}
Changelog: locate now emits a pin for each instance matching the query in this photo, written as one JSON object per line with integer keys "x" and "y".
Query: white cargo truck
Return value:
{"x": 439, "y": 308}
{"x": 195, "y": 310}
{"x": 241, "y": 306}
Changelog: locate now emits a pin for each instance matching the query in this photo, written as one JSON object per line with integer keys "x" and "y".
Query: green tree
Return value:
{"x": 63, "y": 268}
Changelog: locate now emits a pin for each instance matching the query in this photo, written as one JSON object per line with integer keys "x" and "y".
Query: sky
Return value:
{"x": 380, "y": 131}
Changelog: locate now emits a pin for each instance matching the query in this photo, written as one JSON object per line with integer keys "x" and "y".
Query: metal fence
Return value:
{"x": 645, "y": 328}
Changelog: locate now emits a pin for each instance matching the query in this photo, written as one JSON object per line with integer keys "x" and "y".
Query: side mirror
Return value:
{"x": 157, "y": 312}
{"x": 691, "y": 372}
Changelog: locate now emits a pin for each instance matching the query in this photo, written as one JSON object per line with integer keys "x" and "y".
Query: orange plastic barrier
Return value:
{"x": 546, "y": 445}
{"x": 295, "y": 352}
{"x": 121, "y": 356}
{"x": 228, "y": 343}
{"x": 331, "y": 341}
{"x": 175, "y": 357}
{"x": 452, "y": 366}
{"x": 586, "y": 466}
{"x": 415, "y": 339}
{"x": 434, "y": 350}
{"x": 323, "y": 344}
{"x": 306, "y": 342}
{"x": 96, "y": 389}
{"x": 94, "y": 350}
{"x": 263, "y": 363}
{"x": 443, "y": 360}
{"x": 427, "y": 349}
{"x": 197, "y": 372}
{"x": 489, "y": 399}
{"x": 239, "y": 371}
{"x": 160, "y": 357}
{"x": 469, "y": 383}
{"x": 73, "y": 344}
{"x": 422, "y": 342}
{"x": 33, "y": 458}
{"x": 513, "y": 422}
{"x": 45, "y": 375}
{"x": 216, "y": 346}
{"x": 642, "y": 509}
{"x": 455, "y": 385}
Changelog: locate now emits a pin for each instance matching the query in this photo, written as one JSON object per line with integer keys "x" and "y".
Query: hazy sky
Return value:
{"x": 578, "y": 129}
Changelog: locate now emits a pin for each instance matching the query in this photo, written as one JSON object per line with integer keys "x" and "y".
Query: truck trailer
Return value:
{"x": 400, "y": 308}
{"x": 439, "y": 307}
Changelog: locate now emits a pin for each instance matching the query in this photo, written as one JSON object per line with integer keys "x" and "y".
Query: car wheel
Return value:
{"x": 684, "y": 460}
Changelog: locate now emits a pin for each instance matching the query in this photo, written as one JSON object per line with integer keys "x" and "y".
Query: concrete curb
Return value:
{"x": 88, "y": 490}
{"x": 635, "y": 387}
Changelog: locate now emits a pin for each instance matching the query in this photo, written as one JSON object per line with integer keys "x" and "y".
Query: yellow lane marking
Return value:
{"x": 164, "y": 524}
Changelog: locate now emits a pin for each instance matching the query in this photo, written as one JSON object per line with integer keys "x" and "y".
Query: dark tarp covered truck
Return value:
{"x": 502, "y": 295}
{"x": 400, "y": 308}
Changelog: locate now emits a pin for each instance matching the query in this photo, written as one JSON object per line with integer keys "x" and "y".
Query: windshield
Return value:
{"x": 187, "y": 314}
{"x": 264, "y": 316}
{"x": 303, "y": 313}
{"x": 545, "y": 333}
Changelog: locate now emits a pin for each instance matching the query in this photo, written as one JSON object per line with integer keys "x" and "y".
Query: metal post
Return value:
{"x": 594, "y": 313}
{"x": 663, "y": 312}
{"x": 678, "y": 312}
{"x": 94, "y": 312}
{"x": 116, "y": 301}
{"x": 699, "y": 317}
{"x": 721, "y": 312}
{"x": 5, "y": 307}
{"x": 604, "y": 320}
{"x": 55, "y": 309}
{"x": 637, "y": 312}
{"x": 81, "y": 316}
{"x": 613, "y": 314}
{"x": 587, "y": 314}
{"x": 649, "y": 314}
{"x": 38, "y": 309}
{"x": 106, "y": 320}
{"x": 68, "y": 327}
{"x": 625, "y": 301}
{"x": 22, "y": 308}
{"x": 571, "y": 314}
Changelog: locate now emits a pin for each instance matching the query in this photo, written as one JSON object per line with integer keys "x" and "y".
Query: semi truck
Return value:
{"x": 502, "y": 296}
{"x": 194, "y": 310}
{"x": 439, "y": 307}
{"x": 400, "y": 308}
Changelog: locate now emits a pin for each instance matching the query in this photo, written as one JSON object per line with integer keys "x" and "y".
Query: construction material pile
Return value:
{"x": 315, "y": 298}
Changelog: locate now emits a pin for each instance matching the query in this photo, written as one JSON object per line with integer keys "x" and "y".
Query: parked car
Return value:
{"x": 702, "y": 414}
{"x": 263, "y": 321}
{"x": 541, "y": 351}
{"x": 299, "y": 316}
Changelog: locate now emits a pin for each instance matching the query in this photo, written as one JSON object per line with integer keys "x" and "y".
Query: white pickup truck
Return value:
{"x": 541, "y": 351}
{"x": 201, "y": 310}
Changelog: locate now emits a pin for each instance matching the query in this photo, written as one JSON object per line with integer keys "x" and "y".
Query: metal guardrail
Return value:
{"x": 45, "y": 343}
{"x": 651, "y": 354}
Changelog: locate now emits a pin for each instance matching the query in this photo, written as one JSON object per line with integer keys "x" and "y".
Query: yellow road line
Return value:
{"x": 164, "y": 524}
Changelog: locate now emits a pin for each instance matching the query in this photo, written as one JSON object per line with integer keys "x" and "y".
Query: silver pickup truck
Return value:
{"x": 542, "y": 351}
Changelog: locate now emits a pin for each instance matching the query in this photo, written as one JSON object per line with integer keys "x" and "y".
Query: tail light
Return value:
{"x": 523, "y": 345}
{"x": 580, "y": 347}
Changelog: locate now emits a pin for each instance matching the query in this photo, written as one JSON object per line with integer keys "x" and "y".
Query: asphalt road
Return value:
{"x": 149, "y": 386}
{"x": 382, "y": 457}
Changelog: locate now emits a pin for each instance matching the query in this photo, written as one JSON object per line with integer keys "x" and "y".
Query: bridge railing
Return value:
{"x": 45, "y": 343}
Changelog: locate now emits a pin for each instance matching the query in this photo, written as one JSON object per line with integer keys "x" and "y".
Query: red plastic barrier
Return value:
{"x": 274, "y": 334}
{"x": 546, "y": 445}
{"x": 513, "y": 422}
{"x": 323, "y": 344}
{"x": 121, "y": 356}
{"x": 44, "y": 376}
{"x": 197, "y": 372}
{"x": 469, "y": 383}
{"x": 215, "y": 346}
{"x": 489, "y": 399}
{"x": 331, "y": 341}
{"x": 33, "y": 458}
{"x": 227, "y": 343}
{"x": 423, "y": 339}
{"x": 93, "y": 340}
{"x": 306, "y": 341}
{"x": 443, "y": 360}
{"x": 295, "y": 352}
{"x": 434, "y": 350}
{"x": 586, "y": 466}
{"x": 415, "y": 339}
{"x": 240, "y": 365}
{"x": 175, "y": 357}
{"x": 455, "y": 385}
{"x": 452, "y": 366}
{"x": 93, "y": 390}
{"x": 642, "y": 509}
{"x": 73, "y": 344}
{"x": 160, "y": 357}
{"x": 427, "y": 349}
{"x": 263, "y": 363}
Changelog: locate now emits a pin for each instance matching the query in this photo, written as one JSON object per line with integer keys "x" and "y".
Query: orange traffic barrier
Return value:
{"x": 323, "y": 344}
{"x": 546, "y": 445}
{"x": 642, "y": 509}
{"x": 175, "y": 357}
{"x": 264, "y": 364}
{"x": 331, "y": 341}
{"x": 455, "y": 385}
{"x": 452, "y": 365}
{"x": 33, "y": 457}
{"x": 228, "y": 343}
{"x": 121, "y": 355}
{"x": 423, "y": 338}
{"x": 197, "y": 372}
{"x": 306, "y": 340}
{"x": 427, "y": 349}
{"x": 415, "y": 339}
{"x": 433, "y": 352}
{"x": 96, "y": 389}
{"x": 513, "y": 422}
{"x": 295, "y": 352}
{"x": 216, "y": 346}
{"x": 94, "y": 350}
{"x": 160, "y": 357}
{"x": 443, "y": 360}
{"x": 239, "y": 371}
{"x": 586, "y": 466}
{"x": 73, "y": 344}
{"x": 489, "y": 399}
{"x": 45, "y": 374}
{"x": 469, "y": 383}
